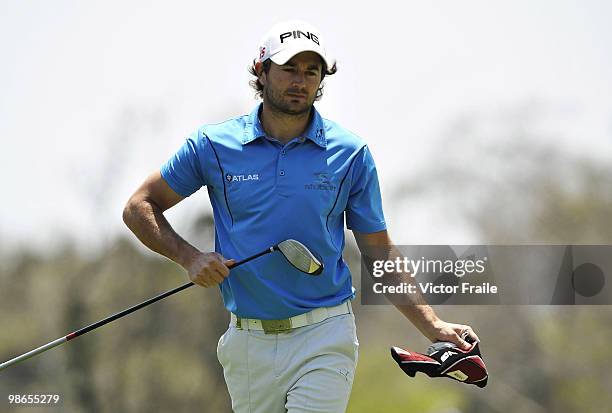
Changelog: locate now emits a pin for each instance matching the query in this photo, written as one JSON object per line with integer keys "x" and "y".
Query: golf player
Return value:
{"x": 280, "y": 172}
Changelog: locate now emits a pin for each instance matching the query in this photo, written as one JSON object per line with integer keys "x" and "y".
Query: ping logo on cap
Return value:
{"x": 296, "y": 34}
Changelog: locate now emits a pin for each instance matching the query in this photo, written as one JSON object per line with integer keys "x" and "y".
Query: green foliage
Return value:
{"x": 156, "y": 359}
{"x": 541, "y": 359}
{"x": 163, "y": 358}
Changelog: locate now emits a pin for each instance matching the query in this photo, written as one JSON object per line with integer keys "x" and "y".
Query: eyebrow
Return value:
{"x": 311, "y": 67}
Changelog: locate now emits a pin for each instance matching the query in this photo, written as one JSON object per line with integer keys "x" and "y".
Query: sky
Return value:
{"x": 96, "y": 95}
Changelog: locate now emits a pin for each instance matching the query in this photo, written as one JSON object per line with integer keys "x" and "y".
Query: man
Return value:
{"x": 280, "y": 172}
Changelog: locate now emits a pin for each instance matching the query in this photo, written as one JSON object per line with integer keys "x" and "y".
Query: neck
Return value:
{"x": 282, "y": 126}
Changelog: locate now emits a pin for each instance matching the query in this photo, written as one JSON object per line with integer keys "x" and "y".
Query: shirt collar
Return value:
{"x": 253, "y": 128}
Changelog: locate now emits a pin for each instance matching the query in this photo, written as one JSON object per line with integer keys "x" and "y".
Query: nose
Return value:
{"x": 299, "y": 77}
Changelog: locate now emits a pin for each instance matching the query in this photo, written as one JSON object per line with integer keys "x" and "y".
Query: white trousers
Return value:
{"x": 308, "y": 370}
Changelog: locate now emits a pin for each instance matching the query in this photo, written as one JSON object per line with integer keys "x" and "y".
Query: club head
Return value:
{"x": 300, "y": 257}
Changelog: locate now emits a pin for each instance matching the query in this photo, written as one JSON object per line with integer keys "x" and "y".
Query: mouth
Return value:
{"x": 296, "y": 95}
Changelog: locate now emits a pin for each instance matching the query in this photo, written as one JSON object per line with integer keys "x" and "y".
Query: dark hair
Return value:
{"x": 256, "y": 84}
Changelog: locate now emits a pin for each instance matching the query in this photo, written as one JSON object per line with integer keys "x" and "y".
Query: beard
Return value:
{"x": 282, "y": 103}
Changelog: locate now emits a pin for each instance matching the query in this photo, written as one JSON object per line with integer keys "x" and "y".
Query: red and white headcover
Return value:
{"x": 445, "y": 360}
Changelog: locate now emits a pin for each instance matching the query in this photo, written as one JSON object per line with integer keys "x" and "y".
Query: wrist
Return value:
{"x": 187, "y": 256}
{"x": 428, "y": 325}
{"x": 431, "y": 329}
{"x": 423, "y": 318}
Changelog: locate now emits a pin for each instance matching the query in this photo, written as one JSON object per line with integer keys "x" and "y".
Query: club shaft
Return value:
{"x": 114, "y": 317}
{"x": 34, "y": 352}
{"x": 91, "y": 327}
{"x": 127, "y": 311}
{"x": 252, "y": 257}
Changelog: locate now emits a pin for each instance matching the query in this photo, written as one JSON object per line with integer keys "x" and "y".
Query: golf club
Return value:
{"x": 295, "y": 252}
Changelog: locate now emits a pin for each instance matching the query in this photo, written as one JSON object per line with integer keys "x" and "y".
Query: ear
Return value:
{"x": 261, "y": 74}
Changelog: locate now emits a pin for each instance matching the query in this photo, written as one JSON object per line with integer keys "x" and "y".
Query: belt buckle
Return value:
{"x": 276, "y": 326}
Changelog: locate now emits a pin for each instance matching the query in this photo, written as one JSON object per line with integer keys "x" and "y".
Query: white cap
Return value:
{"x": 286, "y": 39}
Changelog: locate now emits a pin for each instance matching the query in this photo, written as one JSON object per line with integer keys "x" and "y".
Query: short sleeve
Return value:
{"x": 184, "y": 171}
{"x": 364, "y": 211}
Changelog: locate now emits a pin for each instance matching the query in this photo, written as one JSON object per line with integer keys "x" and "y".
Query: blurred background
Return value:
{"x": 489, "y": 123}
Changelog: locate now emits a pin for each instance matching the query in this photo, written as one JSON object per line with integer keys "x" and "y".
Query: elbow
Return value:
{"x": 128, "y": 211}
{"x": 139, "y": 206}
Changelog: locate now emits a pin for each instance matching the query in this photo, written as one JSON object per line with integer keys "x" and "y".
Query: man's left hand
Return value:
{"x": 443, "y": 331}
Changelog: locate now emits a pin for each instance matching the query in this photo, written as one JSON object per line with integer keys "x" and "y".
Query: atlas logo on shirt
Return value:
{"x": 241, "y": 178}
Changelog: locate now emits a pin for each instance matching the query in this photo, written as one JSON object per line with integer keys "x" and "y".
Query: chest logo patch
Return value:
{"x": 241, "y": 178}
{"x": 322, "y": 182}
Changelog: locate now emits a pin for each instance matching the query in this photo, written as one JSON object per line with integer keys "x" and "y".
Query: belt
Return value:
{"x": 284, "y": 326}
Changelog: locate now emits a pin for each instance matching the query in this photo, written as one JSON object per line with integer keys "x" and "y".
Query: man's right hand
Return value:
{"x": 208, "y": 269}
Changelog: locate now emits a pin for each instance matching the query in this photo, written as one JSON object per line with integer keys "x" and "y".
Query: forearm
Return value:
{"x": 378, "y": 246}
{"x": 412, "y": 305}
{"x": 147, "y": 221}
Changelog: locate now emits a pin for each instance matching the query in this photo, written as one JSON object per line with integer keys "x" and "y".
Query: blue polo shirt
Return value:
{"x": 263, "y": 192}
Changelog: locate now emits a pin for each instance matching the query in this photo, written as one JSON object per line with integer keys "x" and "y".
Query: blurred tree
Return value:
{"x": 162, "y": 357}
{"x": 501, "y": 177}
{"x": 498, "y": 176}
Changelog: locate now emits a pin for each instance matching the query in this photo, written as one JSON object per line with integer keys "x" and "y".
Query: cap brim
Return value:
{"x": 285, "y": 55}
